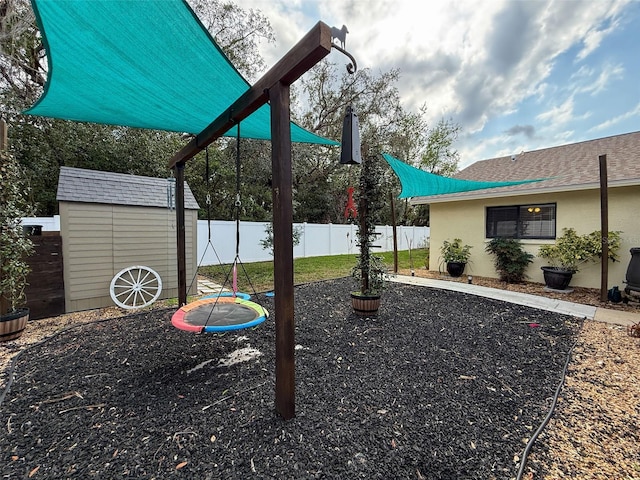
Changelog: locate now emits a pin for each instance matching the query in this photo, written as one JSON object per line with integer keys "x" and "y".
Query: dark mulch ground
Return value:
{"x": 441, "y": 385}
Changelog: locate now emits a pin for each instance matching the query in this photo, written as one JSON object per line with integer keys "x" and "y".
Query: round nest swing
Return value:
{"x": 222, "y": 311}
{"x": 218, "y": 314}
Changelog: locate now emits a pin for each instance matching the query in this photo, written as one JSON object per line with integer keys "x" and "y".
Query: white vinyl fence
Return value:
{"x": 48, "y": 224}
{"x": 316, "y": 239}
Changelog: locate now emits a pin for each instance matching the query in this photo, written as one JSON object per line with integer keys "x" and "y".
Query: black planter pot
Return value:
{"x": 32, "y": 230}
{"x": 456, "y": 269}
{"x": 557, "y": 278}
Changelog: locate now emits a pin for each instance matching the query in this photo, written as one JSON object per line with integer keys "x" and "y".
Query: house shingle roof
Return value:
{"x": 568, "y": 167}
{"x": 93, "y": 186}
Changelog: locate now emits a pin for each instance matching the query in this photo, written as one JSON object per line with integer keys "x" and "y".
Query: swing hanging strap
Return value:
{"x": 238, "y": 204}
{"x": 208, "y": 180}
{"x": 208, "y": 202}
{"x": 238, "y": 201}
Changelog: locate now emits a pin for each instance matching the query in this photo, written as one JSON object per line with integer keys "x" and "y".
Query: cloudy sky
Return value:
{"x": 516, "y": 75}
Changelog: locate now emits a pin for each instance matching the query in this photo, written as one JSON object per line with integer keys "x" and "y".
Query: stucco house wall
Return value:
{"x": 112, "y": 221}
{"x": 573, "y": 187}
{"x": 580, "y": 210}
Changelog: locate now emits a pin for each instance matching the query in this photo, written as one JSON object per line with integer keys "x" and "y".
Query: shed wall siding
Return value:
{"x": 580, "y": 210}
{"x": 101, "y": 240}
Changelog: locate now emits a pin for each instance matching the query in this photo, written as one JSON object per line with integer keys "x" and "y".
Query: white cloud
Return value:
{"x": 608, "y": 74}
{"x": 635, "y": 112}
{"x": 594, "y": 36}
{"x": 473, "y": 62}
{"x": 558, "y": 115}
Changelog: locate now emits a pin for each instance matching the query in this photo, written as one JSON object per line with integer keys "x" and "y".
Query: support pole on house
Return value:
{"x": 604, "y": 228}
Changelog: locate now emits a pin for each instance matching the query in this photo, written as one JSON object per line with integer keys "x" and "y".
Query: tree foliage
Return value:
{"x": 22, "y": 55}
{"x": 437, "y": 155}
{"x": 237, "y": 32}
{"x": 267, "y": 242}
{"x": 383, "y": 123}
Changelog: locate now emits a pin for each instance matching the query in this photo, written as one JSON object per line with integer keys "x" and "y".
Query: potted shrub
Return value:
{"x": 455, "y": 255}
{"x": 572, "y": 250}
{"x": 369, "y": 270}
{"x": 15, "y": 247}
{"x": 510, "y": 260}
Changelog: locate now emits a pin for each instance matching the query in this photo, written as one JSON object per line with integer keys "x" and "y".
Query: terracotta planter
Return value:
{"x": 556, "y": 278}
{"x": 456, "y": 269}
{"x": 13, "y": 324}
{"x": 365, "y": 305}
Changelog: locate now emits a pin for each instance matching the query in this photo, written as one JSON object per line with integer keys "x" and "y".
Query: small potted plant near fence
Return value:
{"x": 15, "y": 247}
{"x": 455, "y": 256}
{"x": 369, "y": 270}
{"x": 572, "y": 250}
{"x": 510, "y": 260}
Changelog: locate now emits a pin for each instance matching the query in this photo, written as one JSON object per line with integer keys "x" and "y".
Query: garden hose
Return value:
{"x": 534, "y": 437}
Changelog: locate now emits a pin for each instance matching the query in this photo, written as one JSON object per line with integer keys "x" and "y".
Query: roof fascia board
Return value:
{"x": 497, "y": 194}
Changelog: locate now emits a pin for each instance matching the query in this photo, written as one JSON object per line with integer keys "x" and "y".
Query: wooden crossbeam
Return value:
{"x": 313, "y": 47}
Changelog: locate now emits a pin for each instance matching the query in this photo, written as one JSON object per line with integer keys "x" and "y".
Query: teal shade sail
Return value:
{"x": 141, "y": 63}
{"x": 418, "y": 183}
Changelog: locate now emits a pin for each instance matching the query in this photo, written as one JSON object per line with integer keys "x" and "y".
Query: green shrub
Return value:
{"x": 510, "y": 260}
{"x": 571, "y": 250}
{"x": 455, "y": 251}
{"x": 14, "y": 246}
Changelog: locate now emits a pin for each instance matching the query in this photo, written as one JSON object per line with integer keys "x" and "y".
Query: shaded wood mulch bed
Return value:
{"x": 439, "y": 385}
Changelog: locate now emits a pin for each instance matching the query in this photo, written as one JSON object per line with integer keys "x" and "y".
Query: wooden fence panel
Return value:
{"x": 45, "y": 292}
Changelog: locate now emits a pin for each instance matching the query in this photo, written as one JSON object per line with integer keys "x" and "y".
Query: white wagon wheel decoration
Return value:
{"x": 135, "y": 287}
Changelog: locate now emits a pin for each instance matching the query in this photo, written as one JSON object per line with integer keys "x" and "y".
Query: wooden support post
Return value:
{"x": 395, "y": 233}
{"x": 604, "y": 228}
{"x": 283, "y": 249}
{"x": 3, "y": 135}
{"x": 180, "y": 232}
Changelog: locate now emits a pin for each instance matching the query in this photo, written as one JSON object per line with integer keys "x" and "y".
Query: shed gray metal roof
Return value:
{"x": 567, "y": 167}
{"x": 93, "y": 186}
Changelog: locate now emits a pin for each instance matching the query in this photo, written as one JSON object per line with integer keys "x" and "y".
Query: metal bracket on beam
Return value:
{"x": 351, "y": 67}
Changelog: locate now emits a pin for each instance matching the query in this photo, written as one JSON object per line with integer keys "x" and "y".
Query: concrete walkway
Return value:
{"x": 560, "y": 306}
{"x": 617, "y": 317}
{"x": 207, "y": 287}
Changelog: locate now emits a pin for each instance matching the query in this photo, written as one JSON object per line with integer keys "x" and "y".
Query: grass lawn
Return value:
{"x": 310, "y": 269}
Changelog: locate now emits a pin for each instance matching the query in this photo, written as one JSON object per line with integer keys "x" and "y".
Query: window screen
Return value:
{"x": 522, "y": 221}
